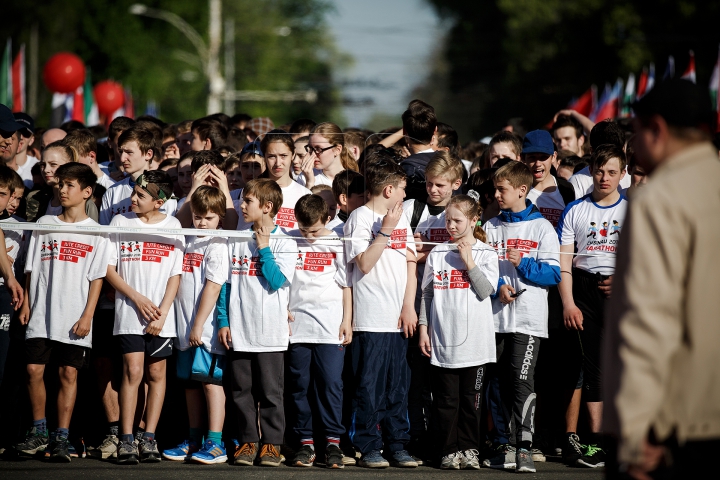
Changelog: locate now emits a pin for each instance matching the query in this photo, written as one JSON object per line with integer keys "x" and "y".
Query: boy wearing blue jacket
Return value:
{"x": 529, "y": 264}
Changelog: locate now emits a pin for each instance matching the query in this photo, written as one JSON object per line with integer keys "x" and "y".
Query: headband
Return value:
{"x": 151, "y": 188}
{"x": 474, "y": 195}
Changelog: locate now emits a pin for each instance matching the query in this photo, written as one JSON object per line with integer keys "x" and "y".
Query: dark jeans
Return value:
{"x": 591, "y": 302}
{"x": 6, "y": 314}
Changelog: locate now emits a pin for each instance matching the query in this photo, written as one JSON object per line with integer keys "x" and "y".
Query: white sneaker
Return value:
{"x": 469, "y": 460}
{"x": 107, "y": 449}
{"x": 451, "y": 461}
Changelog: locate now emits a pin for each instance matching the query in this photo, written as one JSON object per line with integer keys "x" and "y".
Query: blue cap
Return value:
{"x": 253, "y": 147}
{"x": 538, "y": 141}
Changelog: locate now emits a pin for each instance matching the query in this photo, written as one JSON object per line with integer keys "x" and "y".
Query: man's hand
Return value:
{"x": 408, "y": 320}
{"x": 606, "y": 286}
{"x": 504, "y": 294}
{"x": 391, "y": 219}
{"x": 573, "y": 318}
{"x": 262, "y": 236}
{"x": 82, "y": 326}
{"x": 225, "y": 337}
{"x": 514, "y": 256}
{"x": 652, "y": 456}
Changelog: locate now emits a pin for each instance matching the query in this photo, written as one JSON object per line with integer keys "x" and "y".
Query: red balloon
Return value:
{"x": 109, "y": 96}
{"x": 64, "y": 73}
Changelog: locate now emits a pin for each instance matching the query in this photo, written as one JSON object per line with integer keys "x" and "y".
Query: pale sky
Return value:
{"x": 390, "y": 42}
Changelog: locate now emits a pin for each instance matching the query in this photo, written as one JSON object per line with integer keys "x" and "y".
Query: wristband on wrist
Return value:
{"x": 383, "y": 234}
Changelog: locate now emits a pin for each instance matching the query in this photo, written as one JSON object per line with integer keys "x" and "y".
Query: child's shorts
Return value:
{"x": 39, "y": 351}
{"x": 152, "y": 346}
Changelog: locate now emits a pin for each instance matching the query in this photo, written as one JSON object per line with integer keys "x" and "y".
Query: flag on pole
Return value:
{"x": 587, "y": 102}
{"x": 629, "y": 96}
{"x": 19, "y": 102}
{"x": 670, "y": 68}
{"x": 610, "y": 107}
{"x": 6, "y": 93}
{"x": 690, "y": 70}
{"x": 651, "y": 78}
{"x": 78, "y": 109}
{"x": 92, "y": 117}
{"x": 642, "y": 84}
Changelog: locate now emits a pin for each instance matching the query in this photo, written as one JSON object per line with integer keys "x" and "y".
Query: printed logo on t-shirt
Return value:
{"x": 454, "y": 279}
{"x": 65, "y": 251}
{"x": 144, "y": 251}
{"x": 524, "y": 246}
{"x": 286, "y": 217}
{"x": 437, "y": 234}
{"x": 245, "y": 266}
{"x": 192, "y": 261}
{"x": 552, "y": 215}
{"x": 398, "y": 239}
{"x": 608, "y": 236}
{"x": 117, "y": 211}
{"x": 314, "y": 261}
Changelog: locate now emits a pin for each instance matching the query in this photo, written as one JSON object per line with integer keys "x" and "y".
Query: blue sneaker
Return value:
{"x": 181, "y": 452}
{"x": 210, "y": 453}
{"x": 373, "y": 459}
{"x": 403, "y": 459}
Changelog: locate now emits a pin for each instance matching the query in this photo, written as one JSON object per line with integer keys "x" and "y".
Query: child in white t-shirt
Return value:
{"x": 382, "y": 251}
{"x": 457, "y": 330}
{"x": 145, "y": 271}
{"x": 64, "y": 277}
{"x": 349, "y": 191}
{"x": 253, "y": 319}
{"x": 205, "y": 272}
{"x": 279, "y": 151}
{"x": 528, "y": 250}
{"x": 320, "y": 313}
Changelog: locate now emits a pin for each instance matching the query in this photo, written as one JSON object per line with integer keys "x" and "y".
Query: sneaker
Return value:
{"x": 373, "y": 459}
{"x": 573, "y": 450}
{"x": 60, "y": 451}
{"x": 504, "y": 458}
{"x": 127, "y": 454}
{"x": 349, "y": 460}
{"x": 402, "y": 459}
{"x": 593, "y": 457}
{"x": 304, "y": 457}
{"x": 149, "y": 451}
{"x": 245, "y": 454}
{"x": 538, "y": 455}
{"x": 469, "y": 460}
{"x": 524, "y": 461}
{"x": 270, "y": 455}
{"x": 334, "y": 457}
{"x": 182, "y": 452}
{"x": 211, "y": 452}
{"x": 34, "y": 442}
{"x": 107, "y": 449}
{"x": 451, "y": 461}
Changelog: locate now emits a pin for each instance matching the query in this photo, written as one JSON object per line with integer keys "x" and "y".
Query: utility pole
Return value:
{"x": 217, "y": 82}
{"x": 229, "y": 64}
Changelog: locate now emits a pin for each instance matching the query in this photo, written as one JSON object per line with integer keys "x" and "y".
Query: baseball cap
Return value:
{"x": 253, "y": 147}
{"x": 7, "y": 120}
{"x": 27, "y": 122}
{"x": 538, "y": 141}
{"x": 680, "y": 102}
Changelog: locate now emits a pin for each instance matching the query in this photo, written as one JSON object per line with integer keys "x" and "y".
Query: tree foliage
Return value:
{"x": 509, "y": 58}
{"x": 141, "y": 52}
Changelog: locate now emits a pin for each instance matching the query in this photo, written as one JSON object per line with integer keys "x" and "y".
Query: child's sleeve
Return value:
{"x": 278, "y": 270}
{"x": 13, "y": 239}
{"x": 428, "y": 292}
{"x": 360, "y": 235}
{"x": 565, "y": 230}
{"x": 217, "y": 262}
{"x": 342, "y": 274}
{"x": 98, "y": 266}
{"x": 223, "y": 306}
{"x": 105, "y": 217}
{"x": 179, "y": 252}
{"x": 545, "y": 270}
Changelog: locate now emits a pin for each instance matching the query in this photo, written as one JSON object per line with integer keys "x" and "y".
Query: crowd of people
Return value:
{"x": 382, "y": 299}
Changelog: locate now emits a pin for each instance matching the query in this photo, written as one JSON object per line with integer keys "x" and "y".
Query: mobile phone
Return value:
{"x": 518, "y": 293}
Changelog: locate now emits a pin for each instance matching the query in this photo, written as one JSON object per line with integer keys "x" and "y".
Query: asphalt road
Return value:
{"x": 89, "y": 468}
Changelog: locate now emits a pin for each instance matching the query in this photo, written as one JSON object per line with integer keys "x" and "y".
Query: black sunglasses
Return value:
{"x": 317, "y": 150}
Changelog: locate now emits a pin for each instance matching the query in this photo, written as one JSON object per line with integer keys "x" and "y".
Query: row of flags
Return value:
{"x": 615, "y": 100}
{"x": 12, "y": 79}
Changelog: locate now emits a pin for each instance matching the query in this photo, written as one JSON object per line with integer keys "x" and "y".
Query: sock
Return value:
{"x": 525, "y": 445}
{"x": 63, "y": 432}
{"x": 309, "y": 442}
{"x": 148, "y": 436}
{"x": 114, "y": 428}
{"x": 127, "y": 438}
{"x": 139, "y": 433}
{"x": 333, "y": 441}
{"x": 215, "y": 436}
{"x": 40, "y": 426}
{"x": 196, "y": 435}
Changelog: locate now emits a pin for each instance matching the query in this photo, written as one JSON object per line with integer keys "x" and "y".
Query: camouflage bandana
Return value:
{"x": 151, "y": 188}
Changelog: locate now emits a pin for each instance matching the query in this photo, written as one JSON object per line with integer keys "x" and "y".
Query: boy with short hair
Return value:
{"x": 348, "y": 188}
{"x": 207, "y": 134}
{"x": 145, "y": 271}
{"x": 587, "y": 279}
{"x": 116, "y": 128}
{"x": 320, "y": 313}
{"x": 64, "y": 277}
{"x": 382, "y": 251}
{"x": 84, "y": 143}
{"x": 528, "y": 261}
{"x": 253, "y": 318}
{"x": 503, "y": 145}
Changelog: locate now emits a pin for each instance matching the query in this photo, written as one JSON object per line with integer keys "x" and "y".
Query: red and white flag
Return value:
{"x": 690, "y": 70}
{"x": 18, "y": 81}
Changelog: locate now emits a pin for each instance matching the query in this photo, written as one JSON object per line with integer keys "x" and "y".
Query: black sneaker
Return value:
{"x": 148, "y": 450}
{"x": 60, "y": 449}
{"x": 334, "y": 457}
{"x": 34, "y": 442}
{"x": 127, "y": 453}
{"x": 304, "y": 457}
{"x": 593, "y": 457}
{"x": 573, "y": 450}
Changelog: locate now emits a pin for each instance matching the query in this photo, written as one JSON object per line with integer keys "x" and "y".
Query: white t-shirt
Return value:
{"x": 594, "y": 229}
{"x": 285, "y": 218}
{"x": 257, "y": 315}
{"x": 461, "y": 326}
{"x": 582, "y": 182}
{"x": 316, "y": 293}
{"x": 117, "y": 201}
{"x": 528, "y": 314}
{"x": 550, "y": 204}
{"x": 146, "y": 262}
{"x": 62, "y": 265}
{"x": 336, "y": 225}
{"x": 206, "y": 258}
{"x": 25, "y": 172}
{"x": 13, "y": 241}
{"x": 322, "y": 179}
{"x": 106, "y": 181}
{"x": 378, "y": 296}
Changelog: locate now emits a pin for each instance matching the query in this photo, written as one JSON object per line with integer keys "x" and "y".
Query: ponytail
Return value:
{"x": 68, "y": 151}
